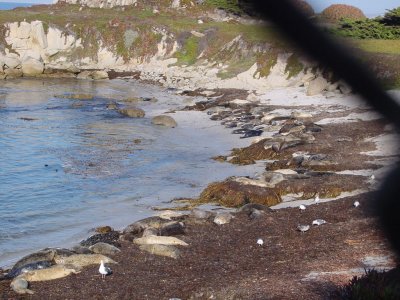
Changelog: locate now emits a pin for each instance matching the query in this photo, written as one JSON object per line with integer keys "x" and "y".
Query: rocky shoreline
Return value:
{"x": 315, "y": 150}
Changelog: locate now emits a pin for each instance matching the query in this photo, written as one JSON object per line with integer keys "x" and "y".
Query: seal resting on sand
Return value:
{"x": 160, "y": 240}
{"x": 55, "y": 272}
{"x": 20, "y": 286}
{"x": 83, "y": 260}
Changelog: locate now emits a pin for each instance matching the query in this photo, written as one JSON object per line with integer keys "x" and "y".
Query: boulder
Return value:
{"x": 12, "y": 62}
{"x": 223, "y": 218}
{"x": 161, "y": 250}
{"x": 13, "y": 73}
{"x": 132, "y": 112}
{"x": 99, "y": 75}
{"x": 104, "y": 248}
{"x": 32, "y": 67}
{"x": 164, "y": 121}
{"x": 316, "y": 86}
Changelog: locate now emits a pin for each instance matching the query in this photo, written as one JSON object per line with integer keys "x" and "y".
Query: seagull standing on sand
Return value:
{"x": 356, "y": 204}
{"x": 302, "y": 207}
{"x": 303, "y": 228}
{"x": 316, "y": 199}
{"x": 260, "y": 242}
{"x": 103, "y": 270}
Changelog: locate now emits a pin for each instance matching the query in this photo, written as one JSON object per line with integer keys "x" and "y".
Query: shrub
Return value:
{"x": 392, "y": 17}
{"x": 336, "y": 12}
{"x": 368, "y": 29}
{"x": 373, "y": 285}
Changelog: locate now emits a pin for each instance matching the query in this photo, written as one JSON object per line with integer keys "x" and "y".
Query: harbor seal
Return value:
{"x": 161, "y": 250}
{"x": 160, "y": 240}
{"x": 20, "y": 286}
{"x": 55, "y": 272}
{"x": 104, "y": 248}
{"x": 14, "y": 272}
{"x": 83, "y": 260}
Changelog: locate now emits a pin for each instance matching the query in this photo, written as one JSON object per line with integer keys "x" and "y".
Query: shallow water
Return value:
{"x": 68, "y": 166}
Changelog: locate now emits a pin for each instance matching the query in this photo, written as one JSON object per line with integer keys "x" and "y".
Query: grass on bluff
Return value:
{"x": 380, "y": 46}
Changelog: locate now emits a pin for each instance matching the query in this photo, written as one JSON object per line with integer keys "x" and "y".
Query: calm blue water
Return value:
{"x": 67, "y": 166}
{"x": 12, "y": 5}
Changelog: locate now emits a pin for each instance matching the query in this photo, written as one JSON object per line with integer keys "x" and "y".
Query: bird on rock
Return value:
{"x": 103, "y": 270}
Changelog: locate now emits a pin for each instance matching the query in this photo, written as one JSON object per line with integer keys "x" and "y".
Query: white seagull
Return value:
{"x": 356, "y": 204}
{"x": 302, "y": 207}
{"x": 103, "y": 270}
{"x": 303, "y": 228}
{"x": 260, "y": 242}
{"x": 319, "y": 222}
{"x": 316, "y": 199}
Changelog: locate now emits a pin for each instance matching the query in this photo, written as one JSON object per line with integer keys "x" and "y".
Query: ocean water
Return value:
{"x": 67, "y": 166}
{"x": 12, "y": 5}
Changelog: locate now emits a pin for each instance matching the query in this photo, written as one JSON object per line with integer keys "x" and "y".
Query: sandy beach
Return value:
{"x": 350, "y": 152}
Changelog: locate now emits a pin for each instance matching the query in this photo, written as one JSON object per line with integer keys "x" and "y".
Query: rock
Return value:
{"x": 159, "y": 240}
{"x": 176, "y": 3}
{"x": 223, "y": 218}
{"x": 12, "y": 62}
{"x": 112, "y": 106}
{"x": 104, "y": 248}
{"x": 83, "y": 260}
{"x": 84, "y": 75}
{"x": 316, "y": 86}
{"x": 97, "y": 75}
{"x": 55, "y": 272}
{"x": 111, "y": 237}
{"x": 164, "y": 121}
{"x": 103, "y": 229}
{"x": 161, "y": 250}
{"x": 132, "y": 112}
{"x": 344, "y": 88}
{"x": 13, "y": 73}
{"x": 32, "y": 67}
{"x": 20, "y": 286}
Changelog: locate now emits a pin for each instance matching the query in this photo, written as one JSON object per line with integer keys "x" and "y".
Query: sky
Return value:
{"x": 369, "y": 7}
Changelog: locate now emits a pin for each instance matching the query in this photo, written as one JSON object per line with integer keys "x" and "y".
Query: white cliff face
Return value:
{"x": 33, "y": 51}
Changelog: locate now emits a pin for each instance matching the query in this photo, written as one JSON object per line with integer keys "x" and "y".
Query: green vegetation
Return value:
{"x": 387, "y": 27}
{"x": 188, "y": 53}
{"x": 231, "y": 6}
{"x": 293, "y": 66}
{"x": 265, "y": 62}
{"x": 236, "y": 67}
{"x": 379, "y": 46}
{"x": 373, "y": 285}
